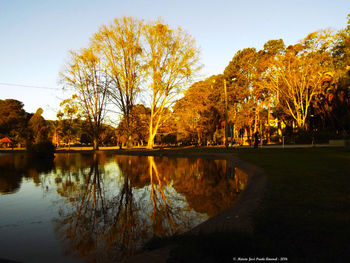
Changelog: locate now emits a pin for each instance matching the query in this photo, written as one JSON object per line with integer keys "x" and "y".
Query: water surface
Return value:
{"x": 104, "y": 207}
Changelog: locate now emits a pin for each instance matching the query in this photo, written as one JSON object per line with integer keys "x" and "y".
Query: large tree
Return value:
{"x": 85, "y": 74}
{"x": 333, "y": 107}
{"x": 200, "y": 113}
{"x": 241, "y": 76}
{"x": 119, "y": 48}
{"x": 301, "y": 74}
{"x": 172, "y": 58}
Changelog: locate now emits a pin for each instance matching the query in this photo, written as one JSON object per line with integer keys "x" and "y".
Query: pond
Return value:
{"x": 102, "y": 207}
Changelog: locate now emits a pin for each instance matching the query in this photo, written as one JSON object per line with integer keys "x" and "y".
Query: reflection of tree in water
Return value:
{"x": 126, "y": 228}
{"x": 110, "y": 213}
{"x": 99, "y": 228}
{"x": 167, "y": 217}
{"x": 209, "y": 186}
{"x": 14, "y": 167}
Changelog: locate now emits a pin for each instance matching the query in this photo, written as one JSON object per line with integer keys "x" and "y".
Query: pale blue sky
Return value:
{"x": 36, "y": 35}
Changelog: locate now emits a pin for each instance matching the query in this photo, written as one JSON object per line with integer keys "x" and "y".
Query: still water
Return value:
{"x": 104, "y": 207}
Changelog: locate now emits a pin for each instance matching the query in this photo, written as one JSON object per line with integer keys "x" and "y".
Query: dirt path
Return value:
{"x": 238, "y": 217}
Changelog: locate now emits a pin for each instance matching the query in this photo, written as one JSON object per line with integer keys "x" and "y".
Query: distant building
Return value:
{"x": 5, "y": 142}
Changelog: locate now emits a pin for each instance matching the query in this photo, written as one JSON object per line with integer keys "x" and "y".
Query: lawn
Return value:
{"x": 306, "y": 210}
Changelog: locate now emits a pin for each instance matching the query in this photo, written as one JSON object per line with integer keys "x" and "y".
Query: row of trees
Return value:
{"x": 302, "y": 87}
{"x": 306, "y": 85}
{"x": 141, "y": 71}
{"x": 31, "y": 130}
{"x": 121, "y": 60}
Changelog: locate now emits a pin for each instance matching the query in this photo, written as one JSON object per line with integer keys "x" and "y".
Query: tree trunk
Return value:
{"x": 245, "y": 137}
{"x": 199, "y": 135}
{"x": 256, "y": 118}
{"x": 249, "y": 132}
{"x": 129, "y": 143}
{"x": 150, "y": 132}
{"x": 150, "y": 143}
{"x": 153, "y": 130}
{"x": 96, "y": 144}
{"x": 128, "y": 133}
{"x": 268, "y": 125}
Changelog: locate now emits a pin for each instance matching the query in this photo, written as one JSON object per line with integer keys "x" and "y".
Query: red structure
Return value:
{"x": 5, "y": 142}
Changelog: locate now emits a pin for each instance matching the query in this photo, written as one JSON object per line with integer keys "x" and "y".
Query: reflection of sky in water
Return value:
{"x": 37, "y": 216}
{"x": 26, "y": 226}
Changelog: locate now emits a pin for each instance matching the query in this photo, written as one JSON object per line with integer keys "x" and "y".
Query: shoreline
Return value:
{"x": 182, "y": 149}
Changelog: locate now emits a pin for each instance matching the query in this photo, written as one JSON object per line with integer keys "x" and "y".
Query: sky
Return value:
{"x": 36, "y": 35}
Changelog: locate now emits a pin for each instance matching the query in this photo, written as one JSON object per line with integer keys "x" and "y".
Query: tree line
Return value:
{"x": 31, "y": 130}
{"x": 141, "y": 70}
{"x": 300, "y": 91}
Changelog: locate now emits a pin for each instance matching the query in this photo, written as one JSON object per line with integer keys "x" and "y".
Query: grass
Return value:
{"x": 304, "y": 215}
{"x": 306, "y": 209}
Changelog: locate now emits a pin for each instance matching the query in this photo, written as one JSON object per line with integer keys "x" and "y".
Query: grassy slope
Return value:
{"x": 306, "y": 211}
{"x": 304, "y": 216}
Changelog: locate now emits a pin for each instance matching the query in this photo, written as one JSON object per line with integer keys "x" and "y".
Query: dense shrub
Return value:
{"x": 43, "y": 150}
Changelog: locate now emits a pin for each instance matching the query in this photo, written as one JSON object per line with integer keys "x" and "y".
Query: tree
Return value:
{"x": 39, "y": 143}
{"x": 39, "y": 130}
{"x": 69, "y": 119}
{"x": 201, "y": 111}
{"x": 171, "y": 57}
{"x": 272, "y": 48}
{"x": 13, "y": 120}
{"x": 299, "y": 75}
{"x": 138, "y": 125}
{"x": 55, "y": 129}
{"x": 107, "y": 135}
{"x": 241, "y": 75}
{"x": 333, "y": 107}
{"x": 85, "y": 74}
{"x": 120, "y": 51}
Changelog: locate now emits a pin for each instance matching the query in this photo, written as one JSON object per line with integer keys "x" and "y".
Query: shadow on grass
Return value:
{"x": 281, "y": 243}
{"x": 214, "y": 247}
